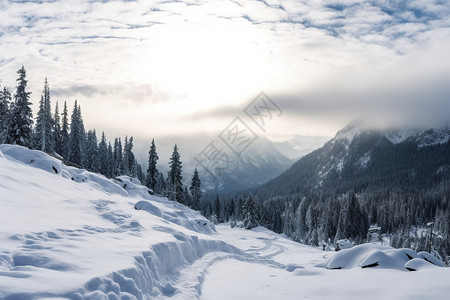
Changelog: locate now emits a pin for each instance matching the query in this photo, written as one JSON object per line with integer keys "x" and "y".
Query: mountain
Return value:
{"x": 298, "y": 145}
{"x": 258, "y": 163}
{"x": 358, "y": 159}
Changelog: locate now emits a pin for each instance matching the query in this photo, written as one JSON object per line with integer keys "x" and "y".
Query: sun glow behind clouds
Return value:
{"x": 151, "y": 66}
{"x": 207, "y": 62}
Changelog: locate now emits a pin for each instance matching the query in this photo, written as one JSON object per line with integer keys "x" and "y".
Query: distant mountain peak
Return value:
{"x": 423, "y": 138}
{"x": 350, "y": 131}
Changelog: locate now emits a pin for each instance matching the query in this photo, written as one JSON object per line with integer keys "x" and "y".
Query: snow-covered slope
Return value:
{"x": 71, "y": 233}
{"x": 67, "y": 233}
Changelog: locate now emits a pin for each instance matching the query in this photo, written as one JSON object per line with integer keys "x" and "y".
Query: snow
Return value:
{"x": 364, "y": 160}
{"x": 399, "y": 136}
{"x": 72, "y": 234}
{"x": 83, "y": 237}
{"x": 380, "y": 257}
{"x": 305, "y": 274}
{"x": 423, "y": 138}
{"x": 349, "y": 132}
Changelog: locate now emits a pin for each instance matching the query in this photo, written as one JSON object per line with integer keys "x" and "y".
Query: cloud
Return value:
{"x": 217, "y": 113}
{"x": 328, "y": 58}
{"x": 129, "y": 92}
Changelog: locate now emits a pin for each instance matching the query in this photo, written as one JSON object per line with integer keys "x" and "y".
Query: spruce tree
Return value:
{"x": 139, "y": 172}
{"x": 43, "y": 135}
{"x": 125, "y": 160}
{"x": 20, "y": 122}
{"x": 76, "y": 137}
{"x": 160, "y": 184}
{"x": 118, "y": 157}
{"x": 103, "y": 155}
{"x": 110, "y": 159}
{"x": 218, "y": 208}
{"x": 174, "y": 180}
{"x": 5, "y": 100}
{"x": 152, "y": 171}
{"x": 129, "y": 161}
{"x": 187, "y": 199}
{"x": 65, "y": 138}
{"x": 91, "y": 152}
{"x": 196, "y": 191}
{"x": 57, "y": 131}
{"x": 250, "y": 213}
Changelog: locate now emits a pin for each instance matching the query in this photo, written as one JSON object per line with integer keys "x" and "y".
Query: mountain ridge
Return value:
{"x": 358, "y": 158}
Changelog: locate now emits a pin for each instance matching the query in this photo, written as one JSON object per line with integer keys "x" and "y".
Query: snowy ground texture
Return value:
{"x": 67, "y": 233}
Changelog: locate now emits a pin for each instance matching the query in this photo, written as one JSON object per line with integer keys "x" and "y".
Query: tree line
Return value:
{"x": 69, "y": 141}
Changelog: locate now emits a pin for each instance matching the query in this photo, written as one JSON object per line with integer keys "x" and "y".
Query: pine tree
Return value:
{"x": 152, "y": 171}
{"x": 65, "y": 138}
{"x": 5, "y": 100}
{"x": 103, "y": 155}
{"x": 43, "y": 136}
{"x": 110, "y": 159}
{"x": 139, "y": 172}
{"x": 160, "y": 184}
{"x": 57, "y": 137}
{"x": 20, "y": 122}
{"x": 187, "y": 199}
{"x": 91, "y": 157}
{"x": 76, "y": 137}
{"x": 218, "y": 208}
{"x": 174, "y": 177}
{"x": 129, "y": 164}
{"x": 196, "y": 191}
{"x": 250, "y": 213}
{"x": 118, "y": 157}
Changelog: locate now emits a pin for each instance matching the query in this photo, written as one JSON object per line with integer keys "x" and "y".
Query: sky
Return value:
{"x": 161, "y": 68}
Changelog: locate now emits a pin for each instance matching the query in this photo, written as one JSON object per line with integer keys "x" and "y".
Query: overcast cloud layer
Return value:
{"x": 159, "y": 67}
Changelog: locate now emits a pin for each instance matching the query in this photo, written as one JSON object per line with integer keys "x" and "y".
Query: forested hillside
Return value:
{"x": 398, "y": 180}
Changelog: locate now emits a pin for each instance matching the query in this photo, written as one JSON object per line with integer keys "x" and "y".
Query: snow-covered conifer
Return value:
{"x": 152, "y": 171}
{"x": 43, "y": 135}
{"x": 76, "y": 137}
{"x": 196, "y": 191}
{"x": 20, "y": 122}
{"x": 250, "y": 213}
{"x": 174, "y": 177}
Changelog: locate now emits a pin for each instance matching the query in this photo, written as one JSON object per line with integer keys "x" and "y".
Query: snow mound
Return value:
{"x": 40, "y": 160}
{"x": 177, "y": 214}
{"x": 132, "y": 185}
{"x": 417, "y": 264}
{"x": 34, "y": 158}
{"x": 382, "y": 257}
{"x": 430, "y": 258}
